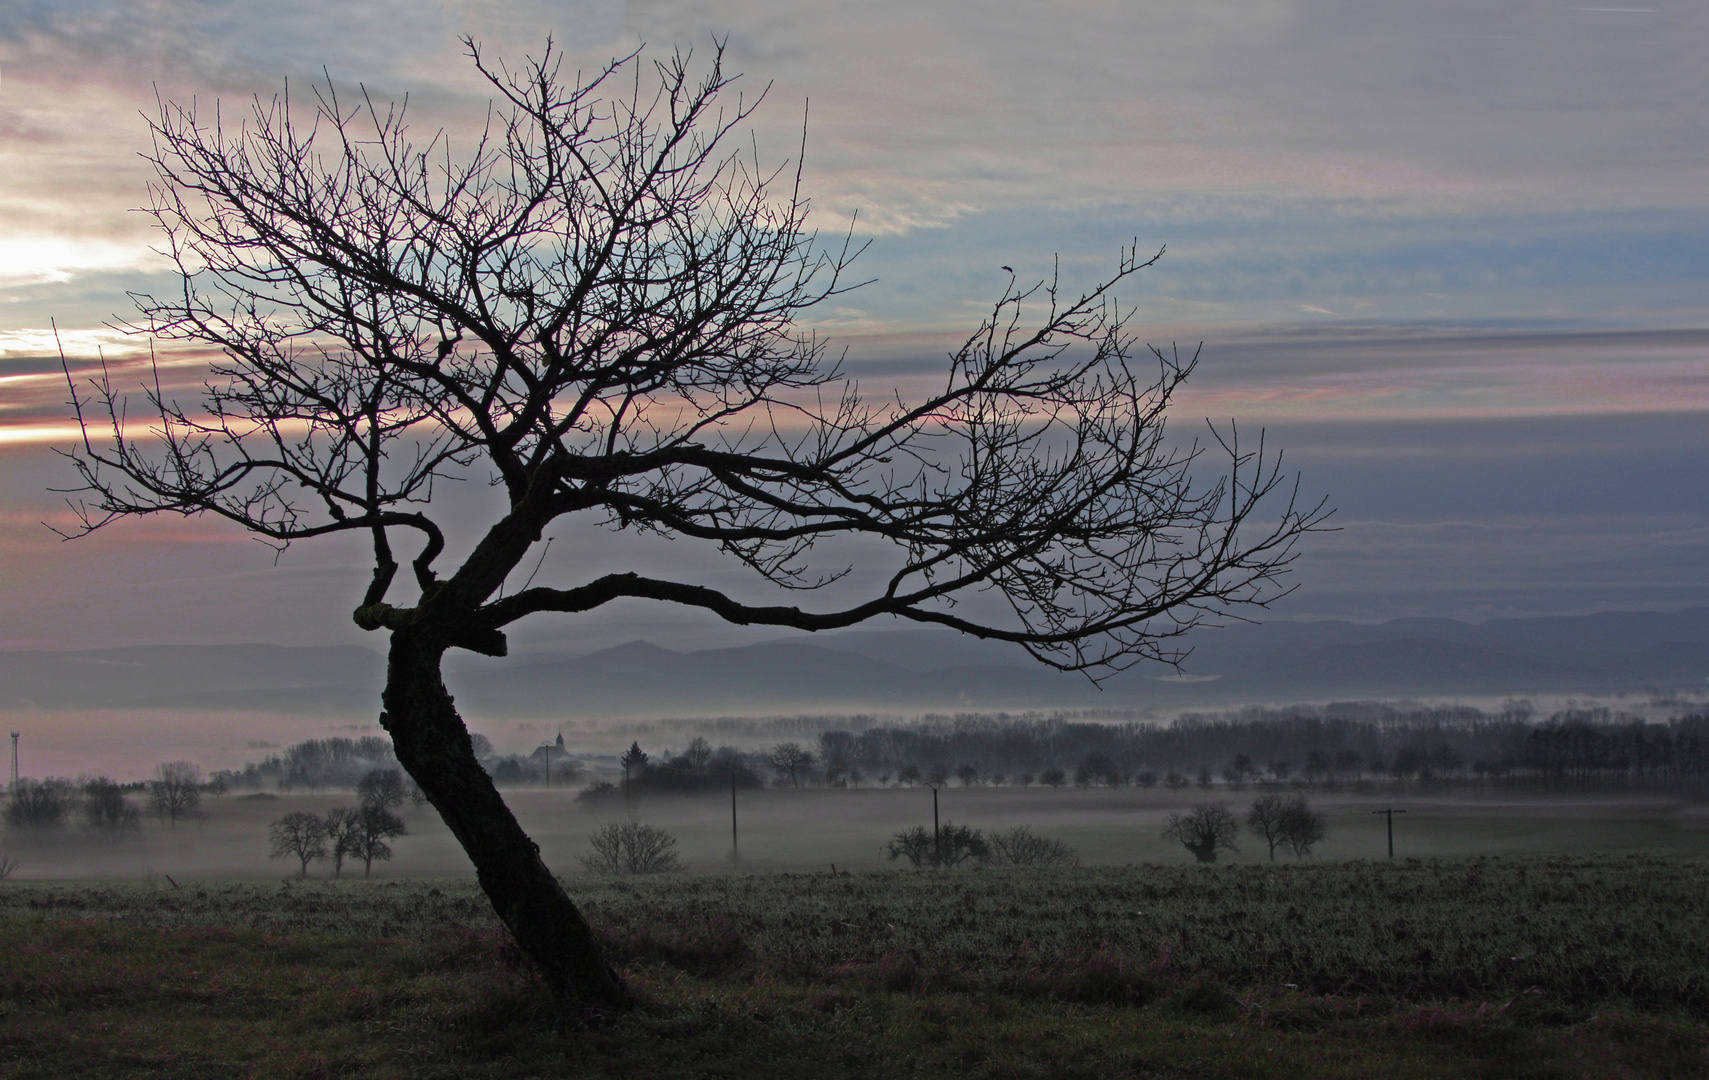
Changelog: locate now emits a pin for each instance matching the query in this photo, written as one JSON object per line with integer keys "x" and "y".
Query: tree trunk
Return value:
{"x": 433, "y": 745}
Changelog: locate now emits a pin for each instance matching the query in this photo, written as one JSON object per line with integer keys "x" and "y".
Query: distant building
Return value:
{"x": 550, "y": 753}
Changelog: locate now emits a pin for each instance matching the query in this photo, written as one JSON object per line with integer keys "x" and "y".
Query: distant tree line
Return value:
{"x": 1359, "y": 743}
{"x": 103, "y": 806}
{"x": 314, "y": 764}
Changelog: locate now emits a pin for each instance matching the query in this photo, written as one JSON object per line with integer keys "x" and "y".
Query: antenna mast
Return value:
{"x": 14, "y": 761}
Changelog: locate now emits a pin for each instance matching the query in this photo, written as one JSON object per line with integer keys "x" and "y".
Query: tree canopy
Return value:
{"x": 596, "y": 305}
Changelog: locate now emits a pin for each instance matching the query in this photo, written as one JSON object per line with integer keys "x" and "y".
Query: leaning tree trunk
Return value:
{"x": 433, "y": 745}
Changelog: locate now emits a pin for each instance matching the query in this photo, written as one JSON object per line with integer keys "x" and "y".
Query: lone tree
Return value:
{"x": 791, "y": 759}
{"x": 1267, "y": 817}
{"x": 366, "y": 833}
{"x": 594, "y": 305}
{"x": 1204, "y": 830}
{"x": 301, "y": 835}
{"x": 383, "y": 788}
{"x": 175, "y": 791}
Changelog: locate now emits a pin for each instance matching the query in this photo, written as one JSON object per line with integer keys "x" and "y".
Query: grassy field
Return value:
{"x": 1523, "y": 966}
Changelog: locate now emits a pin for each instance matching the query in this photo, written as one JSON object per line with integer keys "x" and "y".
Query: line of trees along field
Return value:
{"x": 1328, "y": 746}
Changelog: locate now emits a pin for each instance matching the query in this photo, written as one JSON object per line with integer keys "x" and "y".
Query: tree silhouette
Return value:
{"x": 790, "y": 759}
{"x": 300, "y": 835}
{"x": 176, "y": 790}
{"x": 595, "y": 307}
{"x": 1204, "y": 830}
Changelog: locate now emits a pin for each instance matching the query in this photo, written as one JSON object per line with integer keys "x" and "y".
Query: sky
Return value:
{"x": 1452, "y": 257}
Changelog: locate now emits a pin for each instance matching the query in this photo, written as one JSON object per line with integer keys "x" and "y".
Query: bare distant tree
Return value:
{"x": 1302, "y": 827}
{"x": 1053, "y": 776}
{"x": 417, "y": 797}
{"x": 1204, "y": 830}
{"x": 106, "y": 811}
{"x": 791, "y": 759}
{"x": 383, "y": 788}
{"x": 909, "y": 775}
{"x": 39, "y": 804}
{"x": 1021, "y": 846}
{"x": 366, "y": 834}
{"x": 1266, "y": 817}
{"x": 595, "y": 305}
{"x": 175, "y": 791}
{"x": 340, "y": 826}
{"x": 698, "y": 754}
{"x": 951, "y": 846}
{"x": 8, "y": 866}
{"x": 299, "y": 835}
{"x": 630, "y": 847}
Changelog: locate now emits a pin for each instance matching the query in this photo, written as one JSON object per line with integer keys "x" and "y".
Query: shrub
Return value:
{"x": 630, "y": 847}
{"x": 1020, "y": 846}
{"x": 598, "y": 792}
{"x": 954, "y": 845}
{"x": 39, "y": 804}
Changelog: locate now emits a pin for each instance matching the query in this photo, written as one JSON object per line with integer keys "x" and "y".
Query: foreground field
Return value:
{"x": 1536, "y": 967}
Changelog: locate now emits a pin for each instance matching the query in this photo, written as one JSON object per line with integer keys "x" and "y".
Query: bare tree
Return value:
{"x": 791, "y": 759}
{"x": 383, "y": 788}
{"x": 949, "y": 847}
{"x": 300, "y": 835}
{"x": 698, "y": 754}
{"x": 630, "y": 847}
{"x": 367, "y": 832}
{"x": 340, "y": 827}
{"x": 1302, "y": 827}
{"x": 175, "y": 791}
{"x": 1267, "y": 817}
{"x": 1204, "y": 830}
{"x": 595, "y": 306}
{"x": 106, "y": 811}
{"x": 1020, "y": 846}
{"x": 39, "y": 804}
{"x": 1286, "y": 822}
{"x": 8, "y": 866}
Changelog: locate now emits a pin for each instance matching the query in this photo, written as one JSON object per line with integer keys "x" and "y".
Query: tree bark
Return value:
{"x": 433, "y": 745}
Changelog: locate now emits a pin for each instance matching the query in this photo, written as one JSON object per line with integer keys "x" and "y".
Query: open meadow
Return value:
{"x": 1515, "y": 935}
{"x": 1513, "y": 966}
{"x": 782, "y": 828}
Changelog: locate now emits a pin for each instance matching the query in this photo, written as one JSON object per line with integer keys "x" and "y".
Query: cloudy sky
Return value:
{"x": 1452, "y": 255}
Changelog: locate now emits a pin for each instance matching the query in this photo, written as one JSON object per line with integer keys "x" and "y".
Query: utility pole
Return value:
{"x": 735, "y": 852}
{"x": 14, "y": 762}
{"x": 1390, "y": 815}
{"x": 937, "y": 837}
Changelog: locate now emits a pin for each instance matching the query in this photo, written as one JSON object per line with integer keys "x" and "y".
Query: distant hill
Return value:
{"x": 908, "y": 670}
